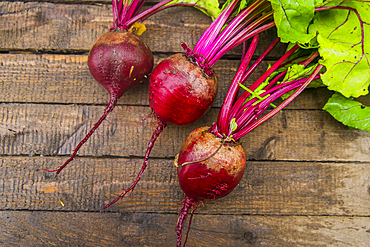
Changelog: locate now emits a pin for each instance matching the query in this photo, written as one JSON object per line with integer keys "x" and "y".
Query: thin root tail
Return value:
{"x": 110, "y": 107}
{"x": 187, "y": 204}
{"x": 155, "y": 135}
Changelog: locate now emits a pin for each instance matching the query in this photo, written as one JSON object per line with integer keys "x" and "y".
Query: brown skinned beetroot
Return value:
{"x": 179, "y": 92}
{"x": 214, "y": 177}
{"x": 208, "y": 168}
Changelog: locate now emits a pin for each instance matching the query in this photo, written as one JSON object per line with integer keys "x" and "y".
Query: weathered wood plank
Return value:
{"x": 53, "y": 27}
{"x": 66, "y": 79}
{"x": 302, "y": 163}
{"x": 300, "y": 135}
{"x": 101, "y": 229}
{"x": 268, "y": 188}
{"x": 75, "y": 27}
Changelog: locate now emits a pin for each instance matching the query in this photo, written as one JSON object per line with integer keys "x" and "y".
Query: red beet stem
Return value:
{"x": 187, "y": 204}
{"x": 155, "y": 135}
{"x": 254, "y": 125}
{"x": 234, "y": 87}
{"x": 110, "y": 107}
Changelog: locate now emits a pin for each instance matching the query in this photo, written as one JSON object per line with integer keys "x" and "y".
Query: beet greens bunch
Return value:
{"x": 339, "y": 31}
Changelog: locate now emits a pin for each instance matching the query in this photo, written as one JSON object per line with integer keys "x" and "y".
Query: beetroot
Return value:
{"x": 119, "y": 60}
{"x": 179, "y": 91}
{"x": 217, "y": 175}
{"x": 208, "y": 168}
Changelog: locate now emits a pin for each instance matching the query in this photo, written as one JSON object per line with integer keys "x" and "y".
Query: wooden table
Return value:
{"x": 307, "y": 181}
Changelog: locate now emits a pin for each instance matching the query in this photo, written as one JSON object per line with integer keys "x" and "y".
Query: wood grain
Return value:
{"x": 75, "y": 27}
{"x": 54, "y": 27}
{"x": 268, "y": 188}
{"x": 139, "y": 229}
{"x": 65, "y": 79}
{"x": 29, "y": 129}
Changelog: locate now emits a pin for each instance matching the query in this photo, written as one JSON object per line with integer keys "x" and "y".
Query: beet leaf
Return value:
{"x": 348, "y": 111}
{"x": 343, "y": 47}
{"x": 292, "y": 19}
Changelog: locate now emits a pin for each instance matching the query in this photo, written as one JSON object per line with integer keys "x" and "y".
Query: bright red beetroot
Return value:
{"x": 179, "y": 91}
{"x": 219, "y": 171}
{"x": 208, "y": 168}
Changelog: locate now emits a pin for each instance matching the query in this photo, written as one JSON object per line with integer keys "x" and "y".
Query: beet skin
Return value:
{"x": 208, "y": 168}
{"x": 214, "y": 177}
{"x": 179, "y": 92}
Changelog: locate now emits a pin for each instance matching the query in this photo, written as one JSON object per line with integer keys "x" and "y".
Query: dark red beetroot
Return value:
{"x": 119, "y": 60}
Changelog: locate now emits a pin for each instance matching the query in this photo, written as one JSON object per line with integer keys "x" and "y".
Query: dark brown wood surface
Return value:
{"x": 153, "y": 229}
{"x": 307, "y": 182}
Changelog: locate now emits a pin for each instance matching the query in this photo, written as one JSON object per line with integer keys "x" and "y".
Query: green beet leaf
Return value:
{"x": 243, "y": 4}
{"x": 210, "y": 7}
{"x": 344, "y": 47}
{"x": 292, "y": 19}
{"x": 348, "y": 111}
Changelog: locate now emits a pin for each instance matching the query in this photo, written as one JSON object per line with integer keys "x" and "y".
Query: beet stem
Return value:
{"x": 240, "y": 24}
{"x": 155, "y": 135}
{"x": 241, "y": 37}
{"x": 239, "y": 107}
{"x": 214, "y": 29}
{"x": 251, "y": 127}
{"x": 147, "y": 13}
{"x": 110, "y": 107}
{"x": 235, "y": 111}
{"x": 241, "y": 100}
{"x": 234, "y": 88}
